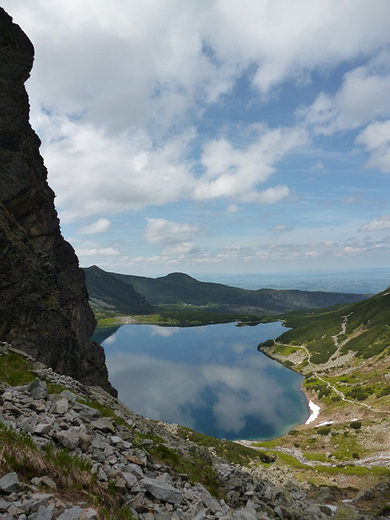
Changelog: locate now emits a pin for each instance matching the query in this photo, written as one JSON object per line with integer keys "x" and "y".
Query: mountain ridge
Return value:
{"x": 181, "y": 289}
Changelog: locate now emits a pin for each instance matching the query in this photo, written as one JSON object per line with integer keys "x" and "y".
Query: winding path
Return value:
{"x": 338, "y": 345}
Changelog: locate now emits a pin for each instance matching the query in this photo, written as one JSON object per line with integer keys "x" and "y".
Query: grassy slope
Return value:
{"x": 344, "y": 353}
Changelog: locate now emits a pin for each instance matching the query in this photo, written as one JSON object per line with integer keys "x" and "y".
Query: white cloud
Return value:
{"x": 286, "y": 40}
{"x": 362, "y": 97}
{"x": 317, "y": 166}
{"x": 376, "y": 139}
{"x": 159, "y": 230}
{"x": 349, "y": 251}
{"x": 232, "y": 172}
{"x": 281, "y": 227}
{"x": 377, "y": 224}
{"x": 92, "y": 172}
{"x": 165, "y": 332}
{"x": 103, "y": 251}
{"x": 179, "y": 249}
{"x": 100, "y": 226}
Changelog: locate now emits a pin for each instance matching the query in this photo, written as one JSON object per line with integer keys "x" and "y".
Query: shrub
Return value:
{"x": 356, "y": 425}
{"x": 385, "y": 391}
{"x": 323, "y": 430}
{"x": 355, "y": 455}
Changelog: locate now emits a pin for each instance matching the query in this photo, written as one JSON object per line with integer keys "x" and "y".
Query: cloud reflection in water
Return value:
{"x": 242, "y": 394}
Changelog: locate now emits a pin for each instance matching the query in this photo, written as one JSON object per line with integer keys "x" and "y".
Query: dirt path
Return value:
{"x": 315, "y": 368}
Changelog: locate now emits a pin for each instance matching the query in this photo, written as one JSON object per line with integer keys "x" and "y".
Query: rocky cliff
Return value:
{"x": 44, "y": 306}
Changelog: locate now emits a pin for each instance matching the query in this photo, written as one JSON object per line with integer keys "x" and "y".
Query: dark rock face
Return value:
{"x": 44, "y": 307}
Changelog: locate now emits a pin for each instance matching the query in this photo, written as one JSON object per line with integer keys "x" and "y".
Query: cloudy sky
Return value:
{"x": 215, "y": 136}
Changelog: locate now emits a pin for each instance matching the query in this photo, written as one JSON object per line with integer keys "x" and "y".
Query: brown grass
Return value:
{"x": 72, "y": 476}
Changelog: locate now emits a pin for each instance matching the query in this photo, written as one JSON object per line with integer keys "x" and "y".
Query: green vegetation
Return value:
{"x": 231, "y": 451}
{"x": 71, "y": 474}
{"x": 178, "y": 292}
{"x": 195, "y": 317}
{"x": 197, "y": 468}
{"x": 324, "y": 430}
{"x": 15, "y": 370}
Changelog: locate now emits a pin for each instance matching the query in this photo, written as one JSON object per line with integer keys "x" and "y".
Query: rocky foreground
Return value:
{"x": 119, "y": 456}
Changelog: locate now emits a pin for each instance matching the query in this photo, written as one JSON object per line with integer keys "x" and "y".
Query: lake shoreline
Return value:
{"x": 218, "y": 366}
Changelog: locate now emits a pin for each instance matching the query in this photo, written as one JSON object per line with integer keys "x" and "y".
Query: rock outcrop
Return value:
{"x": 44, "y": 307}
{"x": 132, "y": 460}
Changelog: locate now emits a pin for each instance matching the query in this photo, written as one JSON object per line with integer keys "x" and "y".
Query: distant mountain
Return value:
{"x": 180, "y": 290}
{"x": 107, "y": 293}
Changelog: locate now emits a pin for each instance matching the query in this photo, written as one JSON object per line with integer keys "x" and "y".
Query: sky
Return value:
{"x": 215, "y": 136}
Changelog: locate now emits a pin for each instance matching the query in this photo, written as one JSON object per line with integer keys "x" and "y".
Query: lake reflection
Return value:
{"x": 209, "y": 378}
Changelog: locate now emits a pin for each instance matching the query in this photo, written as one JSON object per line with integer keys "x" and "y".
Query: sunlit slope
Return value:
{"x": 366, "y": 329}
{"x": 344, "y": 352}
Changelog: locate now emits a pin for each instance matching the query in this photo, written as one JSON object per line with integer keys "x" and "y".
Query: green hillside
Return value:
{"x": 178, "y": 290}
{"x": 366, "y": 333}
{"x": 344, "y": 354}
{"x": 107, "y": 293}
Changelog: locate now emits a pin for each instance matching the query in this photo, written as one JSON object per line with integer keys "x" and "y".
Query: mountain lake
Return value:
{"x": 210, "y": 378}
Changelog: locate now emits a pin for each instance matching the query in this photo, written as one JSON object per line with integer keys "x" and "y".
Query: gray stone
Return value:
{"x": 84, "y": 441}
{"x": 98, "y": 443}
{"x": 104, "y": 425}
{"x": 211, "y": 503}
{"x": 28, "y": 424}
{"x": 89, "y": 514}
{"x": 121, "y": 486}
{"x": 43, "y": 513}
{"x": 37, "y": 389}
{"x": 60, "y": 406}
{"x": 40, "y": 499}
{"x": 48, "y": 482}
{"x": 42, "y": 429}
{"x": 278, "y": 511}
{"x": 73, "y": 513}
{"x": 38, "y": 406}
{"x": 131, "y": 480}
{"x": 135, "y": 502}
{"x": 162, "y": 491}
{"x": 68, "y": 438}
{"x": 67, "y": 394}
{"x": 325, "y": 509}
{"x": 10, "y": 483}
{"x": 99, "y": 457}
{"x": 4, "y": 506}
{"x": 86, "y": 412}
{"x": 243, "y": 514}
{"x": 135, "y": 470}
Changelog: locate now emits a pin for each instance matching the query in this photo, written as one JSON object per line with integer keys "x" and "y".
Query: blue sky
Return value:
{"x": 230, "y": 136}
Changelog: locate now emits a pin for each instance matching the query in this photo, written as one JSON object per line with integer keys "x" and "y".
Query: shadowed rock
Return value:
{"x": 44, "y": 307}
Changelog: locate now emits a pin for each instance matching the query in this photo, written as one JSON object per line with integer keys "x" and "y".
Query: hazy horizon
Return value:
{"x": 358, "y": 281}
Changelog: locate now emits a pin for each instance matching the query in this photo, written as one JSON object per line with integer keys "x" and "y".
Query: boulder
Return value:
{"x": 68, "y": 438}
{"x": 162, "y": 491}
{"x": 10, "y": 484}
